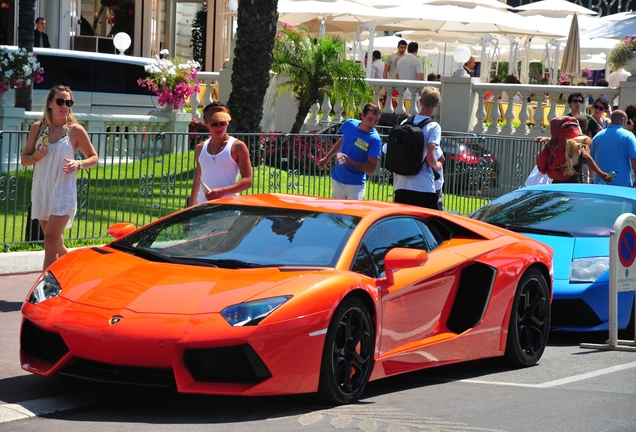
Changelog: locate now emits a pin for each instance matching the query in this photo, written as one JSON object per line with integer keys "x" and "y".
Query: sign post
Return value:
{"x": 622, "y": 256}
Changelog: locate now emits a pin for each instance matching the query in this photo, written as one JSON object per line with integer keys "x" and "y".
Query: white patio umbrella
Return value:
{"x": 571, "y": 64}
{"x": 495, "y": 4}
{"x": 553, "y": 7}
{"x": 618, "y": 16}
{"x": 334, "y": 16}
{"x": 478, "y": 19}
{"x": 615, "y": 30}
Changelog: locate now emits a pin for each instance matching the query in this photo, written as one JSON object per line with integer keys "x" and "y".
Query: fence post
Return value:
{"x": 10, "y": 121}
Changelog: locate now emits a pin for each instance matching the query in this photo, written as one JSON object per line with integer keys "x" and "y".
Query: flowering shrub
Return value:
{"x": 199, "y": 132}
{"x": 300, "y": 155}
{"x": 121, "y": 16}
{"x": 621, "y": 54}
{"x": 18, "y": 69}
{"x": 173, "y": 80}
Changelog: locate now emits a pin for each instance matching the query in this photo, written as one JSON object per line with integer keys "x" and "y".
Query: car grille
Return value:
{"x": 41, "y": 344}
{"x": 226, "y": 364}
{"x": 573, "y": 313}
{"x": 102, "y": 372}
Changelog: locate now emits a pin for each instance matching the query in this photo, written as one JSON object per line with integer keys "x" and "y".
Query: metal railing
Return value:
{"x": 144, "y": 176}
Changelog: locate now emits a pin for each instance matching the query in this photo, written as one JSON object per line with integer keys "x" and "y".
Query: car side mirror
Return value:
{"x": 120, "y": 229}
{"x": 400, "y": 258}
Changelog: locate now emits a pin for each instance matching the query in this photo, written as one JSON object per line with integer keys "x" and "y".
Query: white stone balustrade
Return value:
{"x": 210, "y": 80}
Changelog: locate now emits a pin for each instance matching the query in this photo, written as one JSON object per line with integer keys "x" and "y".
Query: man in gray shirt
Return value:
{"x": 392, "y": 60}
{"x": 410, "y": 66}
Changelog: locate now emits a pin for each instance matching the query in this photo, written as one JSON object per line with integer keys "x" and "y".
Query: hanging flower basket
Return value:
{"x": 622, "y": 54}
{"x": 18, "y": 69}
{"x": 173, "y": 80}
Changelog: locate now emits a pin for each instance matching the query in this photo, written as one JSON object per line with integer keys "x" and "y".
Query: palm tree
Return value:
{"x": 26, "y": 21}
{"x": 313, "y": 67}
{"x": 255, "y": 32}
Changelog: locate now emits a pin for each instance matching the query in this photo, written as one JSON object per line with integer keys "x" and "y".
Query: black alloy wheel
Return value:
{"x": 347, "y": 359}
{"x": 529, "y": 325}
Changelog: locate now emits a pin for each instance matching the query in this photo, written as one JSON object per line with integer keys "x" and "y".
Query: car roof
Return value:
{"x": 85, "y": 55}
{"x": 359, "y": 208}
{"x": 618, "y": 191}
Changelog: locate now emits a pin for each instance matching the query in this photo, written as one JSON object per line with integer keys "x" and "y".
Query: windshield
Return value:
{"x": 550, "y": 212}
{"x": 242, "y": 237}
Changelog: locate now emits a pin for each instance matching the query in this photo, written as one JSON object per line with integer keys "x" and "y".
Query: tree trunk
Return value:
{"x": 256, "y": 29}
{"x": 301, "y": 116}
{"x": 26, "y": 24}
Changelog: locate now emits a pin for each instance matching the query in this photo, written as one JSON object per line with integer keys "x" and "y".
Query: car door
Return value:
{"x": 412, "y": 306}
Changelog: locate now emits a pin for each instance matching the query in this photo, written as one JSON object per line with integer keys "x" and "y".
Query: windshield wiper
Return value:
{"x": 234, "y": 264}
{"x": 144, "y": 253}
{"x": 532, "y": 230}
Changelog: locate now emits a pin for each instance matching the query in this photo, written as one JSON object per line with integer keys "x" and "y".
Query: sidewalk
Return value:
{"x": 21, "y": 262}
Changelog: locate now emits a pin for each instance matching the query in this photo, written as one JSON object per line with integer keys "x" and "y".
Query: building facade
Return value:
{"x": 152, "y": 25}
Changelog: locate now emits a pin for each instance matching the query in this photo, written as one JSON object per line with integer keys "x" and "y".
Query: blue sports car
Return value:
{"x": 575, "y": 220}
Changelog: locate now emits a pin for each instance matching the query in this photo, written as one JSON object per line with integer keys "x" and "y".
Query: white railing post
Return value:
{"x": 480, "y": 127}
{"x": 325, "y": 108}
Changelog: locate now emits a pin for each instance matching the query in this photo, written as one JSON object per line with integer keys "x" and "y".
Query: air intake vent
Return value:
{"x": 227, "y": 364}
{"x": 41, "y": 344}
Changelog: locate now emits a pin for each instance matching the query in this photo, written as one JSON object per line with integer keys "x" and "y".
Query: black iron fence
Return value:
{"x": 144, "y": 176}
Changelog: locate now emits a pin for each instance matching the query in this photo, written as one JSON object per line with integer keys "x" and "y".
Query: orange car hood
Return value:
{"x": 149, "y": 287}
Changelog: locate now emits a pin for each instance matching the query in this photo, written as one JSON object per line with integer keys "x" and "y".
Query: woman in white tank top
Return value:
{"x": 223, "y": 162}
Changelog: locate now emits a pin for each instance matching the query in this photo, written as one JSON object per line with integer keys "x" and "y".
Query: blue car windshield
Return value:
{"x": 577, "y": 214}
{"x": 243, "y": 236}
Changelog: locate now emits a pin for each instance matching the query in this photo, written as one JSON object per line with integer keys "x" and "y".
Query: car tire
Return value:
{"x": 347, "y": 358}
{"x": 529, "y": 324}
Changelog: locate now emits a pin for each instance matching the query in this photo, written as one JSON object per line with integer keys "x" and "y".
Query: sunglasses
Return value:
{"x": 219, "y": 124}
{"x": 577, "y": 100}
{"x": 599, "y": 107}
{"x": 69, "y": 102}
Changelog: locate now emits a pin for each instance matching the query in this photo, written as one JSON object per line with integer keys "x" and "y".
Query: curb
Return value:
{"x": 21, "y": 262}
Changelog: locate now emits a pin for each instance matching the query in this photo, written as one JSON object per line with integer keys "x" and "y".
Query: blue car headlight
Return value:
{"x": 46, "y": 288}
{"x": 588, "y": 269}
{"x": 251, "y": 313}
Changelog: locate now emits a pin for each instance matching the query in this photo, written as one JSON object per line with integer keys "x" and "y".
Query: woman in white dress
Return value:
{"x": 220, "y": 159}
{"x": 51, "y": 148}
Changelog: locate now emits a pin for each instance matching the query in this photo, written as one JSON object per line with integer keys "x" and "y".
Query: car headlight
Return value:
{"x": 46, "y": 288}
{"x": 251, "y": 313}
{"x": 588, "y": 269}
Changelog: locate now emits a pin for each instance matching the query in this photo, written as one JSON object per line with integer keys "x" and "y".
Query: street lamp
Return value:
{"x": 461, "y": 55}
{"x": 121, "y": 42}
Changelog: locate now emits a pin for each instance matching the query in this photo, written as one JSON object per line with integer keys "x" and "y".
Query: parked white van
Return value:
{"x": 101, "y": 83}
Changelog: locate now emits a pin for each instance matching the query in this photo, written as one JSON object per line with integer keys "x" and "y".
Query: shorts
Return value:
{"x": 345, "y": 191}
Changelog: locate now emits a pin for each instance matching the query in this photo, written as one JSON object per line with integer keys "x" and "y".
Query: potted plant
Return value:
{"x": 621, "y": 55}
{"x": 173, "y": 80}
{"x": 18, "y": 69}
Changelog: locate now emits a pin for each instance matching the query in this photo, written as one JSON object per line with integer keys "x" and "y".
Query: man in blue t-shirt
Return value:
{"x": 358, "y": 152}
{"x": 614, "y": 149}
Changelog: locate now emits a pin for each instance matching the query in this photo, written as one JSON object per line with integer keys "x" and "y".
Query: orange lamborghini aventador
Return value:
{"x": 281, "y": 294}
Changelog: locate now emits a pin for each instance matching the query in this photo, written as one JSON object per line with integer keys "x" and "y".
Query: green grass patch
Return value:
{"x": 142, "y": 190}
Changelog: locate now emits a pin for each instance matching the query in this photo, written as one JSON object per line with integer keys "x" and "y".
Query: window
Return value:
{"x": 400, "y": 232}
{"x": 85, "y": 74}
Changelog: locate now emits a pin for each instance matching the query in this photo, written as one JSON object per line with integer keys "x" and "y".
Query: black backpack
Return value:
{"x": 405, "y": 148}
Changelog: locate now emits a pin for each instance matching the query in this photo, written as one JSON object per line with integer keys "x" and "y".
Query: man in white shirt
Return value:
{"x": 392, "y": 60}
{"x": 616, "y": 77}
{"x": 410, "y": 66}
{"x": 378, "y": 65}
